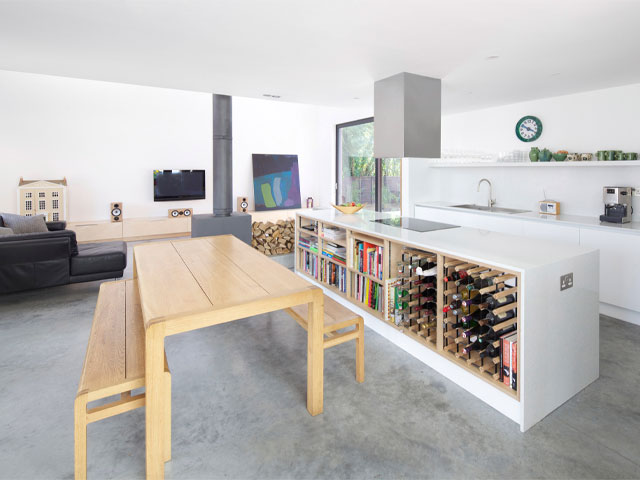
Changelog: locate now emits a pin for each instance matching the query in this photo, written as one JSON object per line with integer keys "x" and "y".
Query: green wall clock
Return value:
{"x": 529, "y": 128}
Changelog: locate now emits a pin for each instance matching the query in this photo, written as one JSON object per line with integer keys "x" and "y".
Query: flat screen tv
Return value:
{"x": 171, "y": 185}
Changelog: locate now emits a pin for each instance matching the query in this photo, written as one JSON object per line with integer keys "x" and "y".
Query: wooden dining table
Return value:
{"x": 188, "y": 284}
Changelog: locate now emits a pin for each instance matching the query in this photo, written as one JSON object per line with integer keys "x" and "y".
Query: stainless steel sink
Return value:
{"x": 484, "y": 208}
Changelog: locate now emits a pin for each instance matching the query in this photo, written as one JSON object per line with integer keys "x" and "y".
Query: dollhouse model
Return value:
{"x": 43, "y": 197}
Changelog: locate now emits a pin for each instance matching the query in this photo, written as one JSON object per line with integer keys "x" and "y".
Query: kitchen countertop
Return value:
{"x": 566, "y": 220}
{"x": 512, "y": 252}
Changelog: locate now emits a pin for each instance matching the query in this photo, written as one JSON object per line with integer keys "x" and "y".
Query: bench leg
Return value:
{"x": 80, "y": 437}
{"x": 360, "y": 351}
{"x": 167, "y": 417}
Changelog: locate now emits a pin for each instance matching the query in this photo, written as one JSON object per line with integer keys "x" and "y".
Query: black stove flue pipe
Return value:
{"x": 222, "y": 156}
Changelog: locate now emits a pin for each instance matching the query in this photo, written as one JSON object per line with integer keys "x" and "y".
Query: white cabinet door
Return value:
{"x": 436, "y": 215}
{"x": 547, "y": 231}
{"x": 619, "y": 266}
{"x": 472, "y": 219}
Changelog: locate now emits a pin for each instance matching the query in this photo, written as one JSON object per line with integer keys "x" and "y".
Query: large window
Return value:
{"x": 360, "y": 177}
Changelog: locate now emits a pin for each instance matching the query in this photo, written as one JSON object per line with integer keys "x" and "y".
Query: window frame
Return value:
{"x": 352, "y": 123}
{"x": 378, "y": 166}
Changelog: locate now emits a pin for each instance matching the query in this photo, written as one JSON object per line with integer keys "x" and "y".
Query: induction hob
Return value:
{"x": 415, "y": 224}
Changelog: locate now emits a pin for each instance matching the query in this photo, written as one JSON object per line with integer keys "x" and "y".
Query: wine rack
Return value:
{"x": 412, "y": 296}
{"x": 480, "y": 320}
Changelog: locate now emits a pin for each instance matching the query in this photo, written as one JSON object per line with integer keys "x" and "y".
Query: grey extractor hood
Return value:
{"x": 407, "y": 112}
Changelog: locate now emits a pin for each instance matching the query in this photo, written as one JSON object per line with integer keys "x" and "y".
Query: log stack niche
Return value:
{"x": 273, "y": 238}
{"x": 476, "y": 306}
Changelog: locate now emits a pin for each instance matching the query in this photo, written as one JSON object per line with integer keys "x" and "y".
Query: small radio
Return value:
{"x": 549, "y": 207}
{"x": 178, "y": 212}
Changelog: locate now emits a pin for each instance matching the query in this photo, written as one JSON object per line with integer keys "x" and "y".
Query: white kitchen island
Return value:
{"x": 618, "y": 245}
{"x": 557, "y": 331}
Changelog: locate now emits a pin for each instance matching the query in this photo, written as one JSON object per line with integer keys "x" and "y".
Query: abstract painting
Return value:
{"x": 276, "y": 182}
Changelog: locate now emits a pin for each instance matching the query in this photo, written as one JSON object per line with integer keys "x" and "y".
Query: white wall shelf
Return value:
{"x": 593, "y": 163}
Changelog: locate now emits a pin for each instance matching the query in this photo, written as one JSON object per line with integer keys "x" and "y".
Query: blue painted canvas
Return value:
{"x": 276, "y": 182}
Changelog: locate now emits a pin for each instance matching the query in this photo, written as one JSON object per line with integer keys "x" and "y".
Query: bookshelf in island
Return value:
{"x": 486, "y": 310}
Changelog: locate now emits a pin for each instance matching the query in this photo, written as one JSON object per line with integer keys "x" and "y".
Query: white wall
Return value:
{"x": 585, "y": 122}
{"x": 106, "y": 138}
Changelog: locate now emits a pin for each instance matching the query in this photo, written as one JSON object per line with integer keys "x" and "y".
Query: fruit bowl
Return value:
{"x": 348, "y": 208}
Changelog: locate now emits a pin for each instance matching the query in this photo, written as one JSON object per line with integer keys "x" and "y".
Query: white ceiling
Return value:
{"x": 330, "y": 52}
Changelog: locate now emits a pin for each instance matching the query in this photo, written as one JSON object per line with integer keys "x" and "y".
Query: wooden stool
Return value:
{"x": 337, "y": 317}
{"x": 114, "y": 364}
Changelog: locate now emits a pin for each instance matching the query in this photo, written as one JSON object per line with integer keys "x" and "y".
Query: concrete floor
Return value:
{"x": 239, "y": 411}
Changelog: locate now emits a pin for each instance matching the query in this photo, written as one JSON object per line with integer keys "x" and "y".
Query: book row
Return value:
{"x": 367, "y": 258}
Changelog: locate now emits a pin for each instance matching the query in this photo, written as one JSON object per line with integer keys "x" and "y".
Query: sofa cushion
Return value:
{"x": 99, "y": 257}
{"x": 73, "y": 244}
{"x": 22, "y": 224}
{"x": 57, "y": 225}
{"x": 5, "y": 231}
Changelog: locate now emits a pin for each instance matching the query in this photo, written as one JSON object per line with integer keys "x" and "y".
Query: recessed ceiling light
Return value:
{"x": 555, "y": 74}
{"x": 492, "y": 57}
{"x": 269, "y": 95}
{"x": 356, "y": 98}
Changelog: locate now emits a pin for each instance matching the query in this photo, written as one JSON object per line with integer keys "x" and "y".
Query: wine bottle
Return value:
{"x": 493, "y": 302}
{"x": 475, "y": 315}
{"x": 430, "y": 306}
{"x": 460, "y": 295}
{"x": 493, "y": 335}
{"x": 428, "y": 286}
{"x": 463, "y": 281}
{"x": 452, "y": 306}
{"x": 428, "y": 324}
{"x": 475, "y": 300}
{"x": 478, "y": 330}
{"x": 465, "y": 294}
{"x": 482, "y": 342}
{"x": 476, "y": 344}
{"x": 460, "y": 311}
{"x": 494, "y": 319}
{"x": 455, "y": 276}
{"x": 426, "y": 272}
{"x": 466, "y": 325}
{"x": 490, "y": 351}
{"x": 479, "y": 283}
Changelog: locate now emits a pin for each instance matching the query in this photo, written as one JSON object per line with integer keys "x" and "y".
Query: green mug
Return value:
{"x": 611, "y": 155}
{"x": 630, "y": 156}
{"x": 602, "y": 155}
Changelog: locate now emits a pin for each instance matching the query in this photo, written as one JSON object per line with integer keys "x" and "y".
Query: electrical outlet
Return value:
{"x": 566, "y": 281}
{"x": 635, "y": 192}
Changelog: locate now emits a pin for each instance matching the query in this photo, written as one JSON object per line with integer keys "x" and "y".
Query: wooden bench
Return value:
{"x": 114, "y": 365}
{"x": 337, "y": 317}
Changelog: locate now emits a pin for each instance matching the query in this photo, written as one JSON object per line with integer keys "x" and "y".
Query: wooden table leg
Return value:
{"x": 315, "y": 354}
{"x": 154, "y": 401}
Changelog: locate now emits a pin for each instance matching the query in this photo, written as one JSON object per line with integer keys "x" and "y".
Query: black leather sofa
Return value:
{"x": 47, "y": 259}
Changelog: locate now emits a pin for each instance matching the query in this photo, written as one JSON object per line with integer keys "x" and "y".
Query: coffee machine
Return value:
{"x": 617, "y": 204}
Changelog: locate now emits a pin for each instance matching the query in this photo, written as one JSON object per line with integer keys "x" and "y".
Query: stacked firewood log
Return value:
{"x": 274, "y": 238}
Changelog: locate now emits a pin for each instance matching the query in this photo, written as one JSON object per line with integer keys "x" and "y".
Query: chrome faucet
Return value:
{"x": 491, "y": 201}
